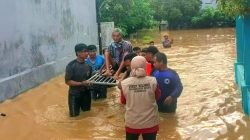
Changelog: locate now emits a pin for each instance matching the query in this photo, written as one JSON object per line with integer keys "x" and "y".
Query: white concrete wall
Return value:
{"x": 37, "y": 39}
{"x": 106, "y": 32}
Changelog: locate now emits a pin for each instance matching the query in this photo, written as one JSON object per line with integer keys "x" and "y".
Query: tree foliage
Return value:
{"x": 234, "y": 7}
{"x": 176, "y": 12}
{"x": 133, "y": 15}
{"x": 211, "y": 17}
{"x": 130, "y": 15}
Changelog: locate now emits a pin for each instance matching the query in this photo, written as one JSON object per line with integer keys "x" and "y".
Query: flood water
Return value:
{"x": 209, "y": 107}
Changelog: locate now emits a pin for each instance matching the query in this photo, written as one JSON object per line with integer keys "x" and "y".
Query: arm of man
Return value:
{"x": 127, "y": 49}
{"x": 125, "y": 75}
{"x": 177, "y": 89}
{"x": 118, "y": 72}
{"x": 178, "y": 86}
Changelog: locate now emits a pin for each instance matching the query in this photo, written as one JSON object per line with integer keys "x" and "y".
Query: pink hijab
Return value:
{"x": 138, "y": 67}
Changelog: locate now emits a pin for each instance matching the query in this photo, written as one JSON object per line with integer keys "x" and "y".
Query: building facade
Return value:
{"x": 37, "y": 39}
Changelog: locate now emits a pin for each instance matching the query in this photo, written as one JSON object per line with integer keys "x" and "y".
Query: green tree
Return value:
{"x": 130, "y": 15}
{"x": 211, "y": 17}
{"x": 133, "y": 15}
{"x": 176, "y": 12}
{"x": 204, "y": 18}
{"x": 234, "y": 7}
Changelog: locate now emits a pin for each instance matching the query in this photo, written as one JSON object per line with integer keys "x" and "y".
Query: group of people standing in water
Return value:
{"x": 147, "y": 85}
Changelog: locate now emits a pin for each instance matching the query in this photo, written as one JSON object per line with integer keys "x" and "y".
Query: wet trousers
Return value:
{"x": 78, "y": 100}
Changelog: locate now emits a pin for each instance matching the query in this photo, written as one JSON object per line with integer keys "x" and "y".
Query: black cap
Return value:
{"x": 80, "y": 47}
{"x": 152, "y": 49}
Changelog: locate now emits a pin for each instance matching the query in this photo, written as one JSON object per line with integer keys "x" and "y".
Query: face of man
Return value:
{"x": 127, "y": 64}
{"x": 143, "y": 54}
{"x": 157, "y": 64}
{"x": 137, "y": 52}
{"x": 149, "y": 56}
{"x": 83, "y": 54}
{"x": 116, "y": 36}
{"x": 92, "y": 53}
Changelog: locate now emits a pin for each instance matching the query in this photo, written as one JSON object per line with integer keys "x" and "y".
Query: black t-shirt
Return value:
{"x": 79, "y": 72}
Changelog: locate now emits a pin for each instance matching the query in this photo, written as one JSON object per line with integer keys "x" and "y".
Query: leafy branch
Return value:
{"x": 234, "y": 7}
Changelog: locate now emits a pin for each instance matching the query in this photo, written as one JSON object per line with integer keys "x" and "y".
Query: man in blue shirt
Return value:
{"x": 169, "y": 82}
{"x": 96, "y": 62}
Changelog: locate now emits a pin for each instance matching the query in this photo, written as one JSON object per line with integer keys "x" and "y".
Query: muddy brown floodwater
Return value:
{"x": 209, "y": 107}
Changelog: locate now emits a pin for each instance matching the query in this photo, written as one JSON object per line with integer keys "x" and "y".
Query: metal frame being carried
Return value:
{"x": 102, "y": 80}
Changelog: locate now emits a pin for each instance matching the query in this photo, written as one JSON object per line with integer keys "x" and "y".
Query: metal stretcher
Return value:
{"x": 102, "y": 80}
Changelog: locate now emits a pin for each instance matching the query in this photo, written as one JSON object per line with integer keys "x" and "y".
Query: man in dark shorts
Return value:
{"x": 77, "y": 73}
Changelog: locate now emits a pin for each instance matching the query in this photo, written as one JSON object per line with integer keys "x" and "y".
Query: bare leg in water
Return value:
{"x": 108, "y": 61}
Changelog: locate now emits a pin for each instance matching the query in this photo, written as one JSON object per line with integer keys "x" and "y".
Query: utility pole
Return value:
{"x": 98, "y": 6}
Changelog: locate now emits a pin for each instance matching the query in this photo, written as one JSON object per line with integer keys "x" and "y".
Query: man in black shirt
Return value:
{"x": 77, "y": 73}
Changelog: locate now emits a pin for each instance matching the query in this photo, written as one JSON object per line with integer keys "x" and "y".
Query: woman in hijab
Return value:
{"x": 139, "y": 93}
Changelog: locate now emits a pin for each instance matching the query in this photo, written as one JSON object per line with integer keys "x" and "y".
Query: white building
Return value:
{"x": 37, "y": 39}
